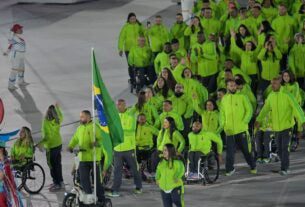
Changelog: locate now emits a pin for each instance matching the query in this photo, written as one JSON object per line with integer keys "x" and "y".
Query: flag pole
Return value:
{"x": 94, "y": 131}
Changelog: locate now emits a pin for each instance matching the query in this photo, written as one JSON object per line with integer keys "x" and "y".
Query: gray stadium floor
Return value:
{"x": 59, "y": 39}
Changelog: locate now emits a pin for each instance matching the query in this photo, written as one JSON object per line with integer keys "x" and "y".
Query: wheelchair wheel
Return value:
{"x": 33, "y": 178}
{"x": 108, "y": 203}
{"x": 211, "y": 168}
{"x": 69, "y": 200}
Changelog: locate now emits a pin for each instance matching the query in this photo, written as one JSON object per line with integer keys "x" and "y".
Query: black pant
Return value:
{"x": 283, "y": 141}
{"x": 254, "y": 83}
{"x": 242, "y": 140}
{"x": 139, "y": 76}
{"x": 262, "y": 141}
{"x": 54, "y": 163}
{"x": 263, "y": 85}
{"x": 130, "y": 69}
{"x": 155, "y": 159}
{"x": 210, "y": 82}
{"x": 174, "y": 197}
{"x": 301, "y": 82}
{"x": 130, "y": 158}
{"x": 144, "y": 155}
{"x": 85, "y": 170}
{"x": 284, "y": 62}
{"x": 193, "y": 159}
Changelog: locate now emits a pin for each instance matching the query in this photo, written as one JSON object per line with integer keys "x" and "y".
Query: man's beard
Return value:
{"x": 179, "y": 94}
{"x": 83, "y": 122}
{"x": 232, "y": 92}
{"x": 197, "y": 132}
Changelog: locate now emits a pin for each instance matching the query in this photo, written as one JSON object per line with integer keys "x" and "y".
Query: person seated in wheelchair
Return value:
{"x": 200, "y": 147}
{"x": 22, "y": 151}
{"x": 144, "y": 140}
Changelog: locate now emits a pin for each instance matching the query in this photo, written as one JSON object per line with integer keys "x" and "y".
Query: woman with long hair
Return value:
{"x": 144, "y": 107}
{"x": 169, "y": 78}
{"x": 52, "y": 142}
{"x": 23, "y": 148}
{"x": 162, "y": 90}
{"x": 170, "y": 134}
{"x": 290, "y": 85}
{"x": 192, "y": 30}
{"x": 169, "y": 177}
{"x": 128, "y": 37}
{"x": 264, "y": 31}
{"x": 152, "y": 99}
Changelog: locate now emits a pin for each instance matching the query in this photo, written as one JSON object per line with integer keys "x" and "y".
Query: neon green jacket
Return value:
{"x": 202, "y": 142}
{"x": 128, "y": 121}
{"x": 169, "y": 176}
{"x": 192, "y": 35}
{"x": 235, "y": 113}
{"x": 207, "y": 59}
{"x": 284, "y": 27}
{"x": 221, "y": 83}
{"x": 144, "y": 136}
{"x": 20, "y": 150}
{"x": 51, "y": 136}
{"x": 83, "y": 138}
{"x": 248, "y": 59}
{"x": 255, "y": 24}
{"x": 210, "y": 119}
{"x": 192, "y": 86}
{"x": 246, "y": 90}
{"x": 158, "y": 35}
{"x": 140, "y": 56}
{"x": 210, "y": 26}
{"x": 129, "y": 36}
{"x": 231, "y": 23}
{"x": 161, "y": 61}
{"x": 174, "y": 115}
{"x": 164, "y": 138}
{"x": 270, "y": 13}
{"x": 149, "y": 110}
{"x": 177, "y": 32}
{"x": 182, "y": 106}
{"x": 271, "y": 64}
{"x": 180, "y": 53}
{"x": 156, "y": 102}
{"x": 296, "y": 60}
{"x": 177, "y": 72}
{"x": 294, "y": 89}
{"x": 284, "y": 108}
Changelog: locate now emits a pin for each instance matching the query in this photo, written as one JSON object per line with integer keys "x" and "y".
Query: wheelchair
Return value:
{"x": 208, "y": 169}
{"x": 29, "y": 176}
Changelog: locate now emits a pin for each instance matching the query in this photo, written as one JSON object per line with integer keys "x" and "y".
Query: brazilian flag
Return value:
{"x": 108, "y": 116}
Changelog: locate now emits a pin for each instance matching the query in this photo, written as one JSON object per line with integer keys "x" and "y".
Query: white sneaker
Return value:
{"x": 12, "y": 88}
{"x": 195, "y": 176}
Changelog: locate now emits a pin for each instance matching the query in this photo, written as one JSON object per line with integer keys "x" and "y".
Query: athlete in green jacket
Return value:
{"x": 158, "y": 35}
{"x": 210, "y": 117}
{"x": 210, "y": 24}
{"x": 201, "y": 146}
{"x": 162, "y": 59}
{"x": 169, "y": 112}
{"x": 23, "y": 148}
{"x": 236, "y": 113}
{"x": 284, "y": 110}
{"x": 170, "y": 172}
{"x": 192, "y": 86}
{"x": 284, "y": 27}
{"x": 204, "y": 56}
{"x": 145, "y": 133}
{"x": 86, "y": 141}
{"x": 296, "y": 59}
{"x": 170, "y": 135}
{"x": 129, "y": 34}
{"x": 192, "y": 30}
{"x": 140, "y": 55}
{"x": 52, "y": 141}
{"x": 181, "y": 102}
{"x": 126, "y": 151}
{"x": 177, "y": 31}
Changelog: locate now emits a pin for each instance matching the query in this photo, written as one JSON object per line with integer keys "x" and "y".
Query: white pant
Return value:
{"x": 13, "y": 77}
{"x": 17, "y": 60}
